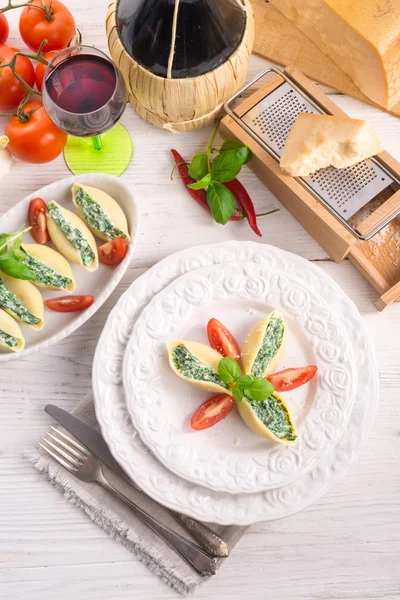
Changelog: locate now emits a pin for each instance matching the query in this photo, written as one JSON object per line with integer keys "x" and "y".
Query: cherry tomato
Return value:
{"x": 4, "y": 30}
{"x": 289, "y": 379}
{"x": 212, "y": 411}
{"x": 37, "y": 220}
{"x": 70, "y": 303}
{"x": 11, "y": 90}
{"x": 40, "y": 69}
{"x": 113, "y": 252}
{"x": 222, "y": 340}
{"x": 39, "y": 140}
{"x": 54, "y": 24}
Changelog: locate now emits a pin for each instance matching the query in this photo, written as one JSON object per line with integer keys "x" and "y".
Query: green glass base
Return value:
{"x": 81, "y": 155}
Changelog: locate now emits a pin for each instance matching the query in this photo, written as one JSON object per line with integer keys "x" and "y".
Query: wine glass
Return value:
{"x": 85, "y": 95}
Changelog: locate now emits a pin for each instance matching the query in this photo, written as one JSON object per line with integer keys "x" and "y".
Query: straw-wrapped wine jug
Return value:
{"x": 181, "y": 59}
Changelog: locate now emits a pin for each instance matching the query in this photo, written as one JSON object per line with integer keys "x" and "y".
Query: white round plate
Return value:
{"x": 154, "y": 478}
{"x": 99, "y": 284}
{"x": 229, "y": 457}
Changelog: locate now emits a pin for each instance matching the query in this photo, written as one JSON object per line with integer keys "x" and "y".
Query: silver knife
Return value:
{"x": 94, "y": 441}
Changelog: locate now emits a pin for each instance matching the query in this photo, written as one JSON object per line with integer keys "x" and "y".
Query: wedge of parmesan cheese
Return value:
{"x": 361, "y": 36}
{"x": 318, "y": 141}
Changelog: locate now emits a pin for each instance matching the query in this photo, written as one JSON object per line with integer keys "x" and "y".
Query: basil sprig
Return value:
{"x": 253, "y": 388}
{"x": 12, "y": 255}
{"x": 211, "y": 174}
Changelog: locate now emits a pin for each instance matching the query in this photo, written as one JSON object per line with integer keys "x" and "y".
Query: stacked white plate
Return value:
{"x": 227, "y": 474}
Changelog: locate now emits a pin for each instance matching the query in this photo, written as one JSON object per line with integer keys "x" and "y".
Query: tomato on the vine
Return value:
{"x": 38, "y": 140}
{"x": 11, "y": 90}
{"x": 40, "y": 69}
{"x": 51, "y": 21}
{"x": 4, "y": 30}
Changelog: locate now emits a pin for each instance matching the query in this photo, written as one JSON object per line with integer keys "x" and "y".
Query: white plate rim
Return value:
{"x": 106, "y": 414}
{"x": 205, "y": 467}
{"x": 94, "y": 179}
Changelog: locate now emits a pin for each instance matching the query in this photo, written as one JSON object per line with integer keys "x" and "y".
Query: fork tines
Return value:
{"x": 64, "y": 450}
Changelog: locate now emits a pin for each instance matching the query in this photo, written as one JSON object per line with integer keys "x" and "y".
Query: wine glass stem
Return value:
{"x": 96, "y": 141}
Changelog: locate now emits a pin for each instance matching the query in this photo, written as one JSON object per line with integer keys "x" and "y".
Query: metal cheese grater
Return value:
{"x": 342, "y": 191}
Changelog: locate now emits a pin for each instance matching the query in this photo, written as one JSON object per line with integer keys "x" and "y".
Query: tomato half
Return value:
{"x": 212, "y": 411}
{"x": 11, "y": 91}
{"x": 70, "y": 303}
{"x": 37, "y": 220}
{"x": 55, "y": 24}
{"x": 289, "y": 379}
{"x": 39, "y": 140}
{"x": 4, "y": 30}
{"x": 40, "y": 69}
{"x": 222, "y": 340}
{"x": 113, "y": 252}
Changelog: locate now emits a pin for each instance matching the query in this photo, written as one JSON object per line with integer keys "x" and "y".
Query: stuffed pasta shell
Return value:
{"x": 101, "y": 213}
{"x": 71, "y": 236}
{"x": 270, "y": 419}
{"x": 264, "y": 345}
{"x": 21, "y": 300}
{"x": 11, "y": 337}
{"x": 52, "y": 271}
{"x": 197, "y": 364}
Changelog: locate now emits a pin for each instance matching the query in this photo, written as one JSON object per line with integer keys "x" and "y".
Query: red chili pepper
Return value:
{"x": 200, "y": 196}
{"x": 241, "y": 195}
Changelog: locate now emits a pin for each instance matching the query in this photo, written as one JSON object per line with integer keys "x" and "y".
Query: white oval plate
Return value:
{"x": 99, "y": 284}
{"x": 176, "y": 493}
{"x": 230, "y": 457}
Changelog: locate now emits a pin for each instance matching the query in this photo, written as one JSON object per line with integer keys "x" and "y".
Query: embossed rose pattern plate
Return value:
{"x": 230, "y": 457}
{"x": 178, "y": 494}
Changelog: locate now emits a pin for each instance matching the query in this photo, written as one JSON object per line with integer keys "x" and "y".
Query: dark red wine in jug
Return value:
{"x": 207, "y": 33}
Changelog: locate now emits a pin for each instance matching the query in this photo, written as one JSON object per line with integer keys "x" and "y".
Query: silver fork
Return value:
{"x": 77, "y": 459}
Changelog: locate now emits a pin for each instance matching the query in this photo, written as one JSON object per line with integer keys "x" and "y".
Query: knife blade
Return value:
{"x": 94, "y": 441}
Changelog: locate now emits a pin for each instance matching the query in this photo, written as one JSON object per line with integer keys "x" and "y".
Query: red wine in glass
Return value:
{"x": 84, "y": 93}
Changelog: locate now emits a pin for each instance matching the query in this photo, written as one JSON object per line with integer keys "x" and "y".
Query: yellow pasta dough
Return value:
{"x": 101, "y": 213}
{"x": 71, "y": 236}
{"x": 46, "y": 261}
{"x": 22, "y": 301}
{"x": 11, "y": 337}
{"x": 197, "y": 364}
{"x": 263, "y": 346}
{"x": 269, "y": 419}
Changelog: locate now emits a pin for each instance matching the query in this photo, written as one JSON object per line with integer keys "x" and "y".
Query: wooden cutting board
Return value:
{"x": 278, "y": 40}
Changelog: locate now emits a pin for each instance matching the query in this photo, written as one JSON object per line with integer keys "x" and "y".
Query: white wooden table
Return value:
{"x": 346, "y": 546}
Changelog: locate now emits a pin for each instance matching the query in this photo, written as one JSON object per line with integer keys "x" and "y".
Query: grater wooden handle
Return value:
{"x": 388, "y": 297}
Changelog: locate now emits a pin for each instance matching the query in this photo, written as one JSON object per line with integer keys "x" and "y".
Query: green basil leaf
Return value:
{"x": 227, "y": 165}
{"x": 3, "y": 239}
{"x": 221, "y": 202}
{"x": 198, "y": 168}
{"x": 15, "y": 268}
{"x": 237, "y": 393}
{"x": 259, "y": 390}
{"x": 245, "y": 380}
{"x": 228, "y": 369}
{"x": 231, "y": 145}
{"x": 204, "y": 182}
{"x": 17, "y": 251}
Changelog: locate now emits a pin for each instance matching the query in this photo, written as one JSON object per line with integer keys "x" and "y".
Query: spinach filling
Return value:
{"x": 73, "y": 235}
{"x": 193, "y": 368}
{"x": 45, "y": 275}
{"x": 9, "y": 302}
{"x": 275, "y": 416}
{"x": 270, "y": 345}
{"x": 8, "y": 340}
{"x": 95, "y": 216}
